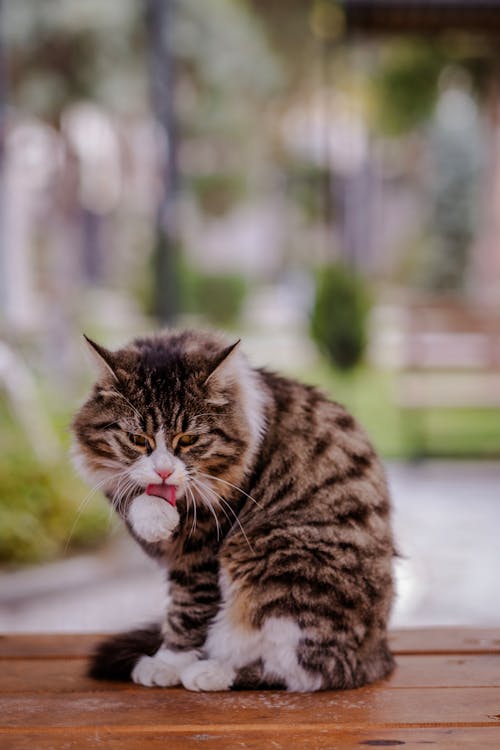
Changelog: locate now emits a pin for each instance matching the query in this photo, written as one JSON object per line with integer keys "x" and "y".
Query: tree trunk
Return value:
{"x": 160, "y": 21}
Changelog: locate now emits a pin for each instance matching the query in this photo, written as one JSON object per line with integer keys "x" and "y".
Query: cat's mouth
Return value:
{"x": 166, "y": 491}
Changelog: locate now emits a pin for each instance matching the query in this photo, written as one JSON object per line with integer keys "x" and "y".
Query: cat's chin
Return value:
{"x": 152, "y": 518}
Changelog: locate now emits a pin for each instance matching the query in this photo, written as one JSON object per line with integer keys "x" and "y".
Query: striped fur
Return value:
{"x": 279, "y": 566}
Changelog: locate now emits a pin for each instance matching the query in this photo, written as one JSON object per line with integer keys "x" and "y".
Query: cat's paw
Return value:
{"x": 152, "y": 518}
{"x": 149, "y": 671}
{"x": 162, "y": 669}
{"x": 208, "y": 674}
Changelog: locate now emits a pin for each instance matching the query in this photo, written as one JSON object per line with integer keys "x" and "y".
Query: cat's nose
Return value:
{"x": 164, "y": 473}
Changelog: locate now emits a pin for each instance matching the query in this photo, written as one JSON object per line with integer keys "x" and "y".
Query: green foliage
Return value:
{"x": 217, "y": 297}
{"x": 39, "y": 513}
{"x": 308, "y": 184}
{"x": 217, "y": 192}
{"x": 40, "y": 517}
{"x": 339, "y": 317}
{"x": 405, "y": 84}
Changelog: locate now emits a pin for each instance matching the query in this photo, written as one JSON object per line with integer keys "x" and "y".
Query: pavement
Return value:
{"x": 447, "y": 526}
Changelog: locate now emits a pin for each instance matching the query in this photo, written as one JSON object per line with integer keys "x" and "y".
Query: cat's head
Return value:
{"x": 177, "y": 415}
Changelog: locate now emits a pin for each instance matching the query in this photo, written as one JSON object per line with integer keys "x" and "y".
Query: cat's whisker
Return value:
{"x": 230, "y": 484}
{"x": 230, "y": 520}
{"x": 238, "y": 522}
{"x": 193, "y": 525}
{"x": 109, "y": 463}
{"x": 121, "y": 395}
{"x": 189, "y": 503}
{"x": 220, "y": 499}
{"x": 192, "y": 503}
{"x": 119, "y": 489}
{"x": 105, "y": 426}
{"x": 81, "y": 508}
{"x": 212, "y": 511}
{"x": 122, "y": 493}
{"x": 209, "y": 414}
{"x": 209, "y": 505}
{"x": 195, "y": 519}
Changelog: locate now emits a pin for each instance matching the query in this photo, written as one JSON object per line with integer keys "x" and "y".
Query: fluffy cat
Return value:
{"x": 265, "y": 503}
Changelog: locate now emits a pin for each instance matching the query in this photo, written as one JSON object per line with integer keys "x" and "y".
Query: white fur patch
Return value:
{"x": 280, "y": 639}
{"x": 253, "y": 400}
{"x": 252, "y": 396}
{"x": 208, "y": 674}
{"x": 275, "y": 644}
{"x": 164, "y": 668}
{"x": 102, "y": 477}
{"x": 152, "y": 518}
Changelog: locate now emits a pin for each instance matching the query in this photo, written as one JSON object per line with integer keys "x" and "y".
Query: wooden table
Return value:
{"x": 445, "y": 693}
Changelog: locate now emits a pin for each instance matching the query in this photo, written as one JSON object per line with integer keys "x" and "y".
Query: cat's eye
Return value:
{"x": 140, "y": 441}
{"x": 186, "y": 440}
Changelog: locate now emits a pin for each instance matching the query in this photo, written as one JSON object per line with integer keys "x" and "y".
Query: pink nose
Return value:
{"x": 164, "y": 473}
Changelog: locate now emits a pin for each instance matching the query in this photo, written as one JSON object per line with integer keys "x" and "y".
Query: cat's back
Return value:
{"x": 315, "y": 446}
{"x": 317, "y": 479}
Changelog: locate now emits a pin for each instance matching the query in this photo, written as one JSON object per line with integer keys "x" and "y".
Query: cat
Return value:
{"x": 266, "y": 504}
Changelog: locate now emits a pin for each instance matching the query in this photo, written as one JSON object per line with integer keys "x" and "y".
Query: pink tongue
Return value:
{"x": 166, "y": 491}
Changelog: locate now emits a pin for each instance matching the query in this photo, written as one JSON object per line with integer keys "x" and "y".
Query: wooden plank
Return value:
{"x": 445, "y": 738}
{"x": 68, "y": 675}
{"x": 373, "y": 706}
{"x": 407, "y": 641}
{"x": 54, "y": 675}
{"x": 445, "y": 641}
{"x": 456, "y": 670}
{"x": 42, "y": 645}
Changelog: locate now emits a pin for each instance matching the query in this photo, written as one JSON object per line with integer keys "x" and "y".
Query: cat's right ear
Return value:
{"x": 103, "y": 358}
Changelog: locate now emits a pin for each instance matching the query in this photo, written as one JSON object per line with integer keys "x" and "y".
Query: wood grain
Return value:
{"x": 374, "y": 705}
{"x": 445, "y": 693}
{"x": 68, "y": 675}
{"x": 404, "y": 641}
{"x": 46, "y": 646}
{"x": 446, "y": 641}
{"x": 440, "y": 738}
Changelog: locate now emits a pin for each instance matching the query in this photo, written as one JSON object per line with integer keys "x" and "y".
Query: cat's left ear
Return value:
{"x": 103, "y": 358}
{"x": 221, "y": 360}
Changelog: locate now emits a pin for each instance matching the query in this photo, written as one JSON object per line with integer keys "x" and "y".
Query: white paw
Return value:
{"x": 149, "y": 671}
{"x": 208, "y": 674}
{"x": 163, "y": 668}
{"x": 152, "y": 518}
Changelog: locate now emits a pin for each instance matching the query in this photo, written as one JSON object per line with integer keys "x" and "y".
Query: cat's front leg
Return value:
{"x": 152, "y": 518}
{"x": 193, "y": 602}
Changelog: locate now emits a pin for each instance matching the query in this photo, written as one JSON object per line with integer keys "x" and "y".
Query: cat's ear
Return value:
{"x": 221, "y": 360}
{"x": 103, "y": 358}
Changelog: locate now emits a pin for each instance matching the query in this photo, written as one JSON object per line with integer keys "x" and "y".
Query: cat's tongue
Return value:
{"x": 166, "y": 491}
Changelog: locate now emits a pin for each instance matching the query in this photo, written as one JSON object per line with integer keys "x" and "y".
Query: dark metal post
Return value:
{"x": 160, "y": 22}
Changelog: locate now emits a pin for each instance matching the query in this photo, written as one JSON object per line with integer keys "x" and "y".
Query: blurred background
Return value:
{"x": 322, "y": 179}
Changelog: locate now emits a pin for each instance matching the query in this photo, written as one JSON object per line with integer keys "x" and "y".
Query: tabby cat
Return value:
{"x": 266, "y": 505}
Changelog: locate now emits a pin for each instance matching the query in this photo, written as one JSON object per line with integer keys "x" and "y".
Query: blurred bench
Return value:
{"x": 445, "y": 693}
{"x": 451, "y": 360}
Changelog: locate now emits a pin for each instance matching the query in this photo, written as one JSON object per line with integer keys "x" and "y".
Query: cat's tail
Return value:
{"x": 115, "y": 658}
